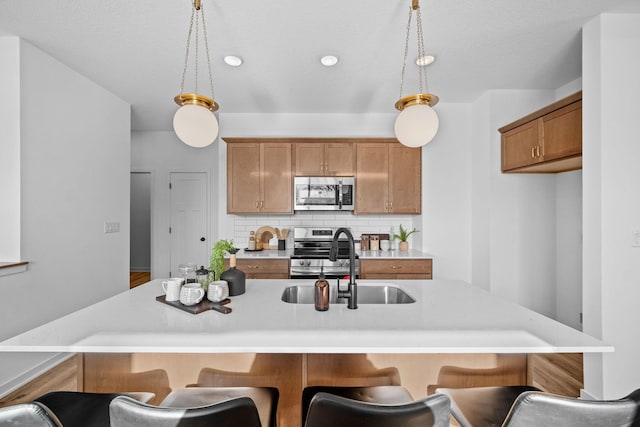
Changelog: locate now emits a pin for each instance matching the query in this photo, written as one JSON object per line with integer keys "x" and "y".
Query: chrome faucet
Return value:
{"x": 352, "y": 290}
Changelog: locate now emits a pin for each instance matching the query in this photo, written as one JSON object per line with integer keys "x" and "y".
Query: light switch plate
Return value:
{"x": 111, "y": 227}
{"x": 635, "y": 238}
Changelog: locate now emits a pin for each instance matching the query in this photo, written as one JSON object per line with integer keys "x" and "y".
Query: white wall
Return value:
{"x": 569, "y": 248}
{"x": 611, "y": 203}
{"x": 161, "y": 152}
{"x": 10, "y": 148}
{"x": 514, "y": 215}
{"x": 75, "y": 176}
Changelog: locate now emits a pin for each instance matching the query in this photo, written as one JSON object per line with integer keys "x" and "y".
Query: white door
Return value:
{"x": 188, "y": 223}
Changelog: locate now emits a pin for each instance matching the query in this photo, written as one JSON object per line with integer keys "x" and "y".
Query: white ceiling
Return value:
{"x": 136, "y": 49}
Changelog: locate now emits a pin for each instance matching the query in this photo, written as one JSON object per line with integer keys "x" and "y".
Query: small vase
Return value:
{"x": 404, "y": 246}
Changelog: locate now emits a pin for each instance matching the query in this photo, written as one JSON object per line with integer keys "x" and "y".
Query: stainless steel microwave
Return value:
{"x": 321, "y": 193}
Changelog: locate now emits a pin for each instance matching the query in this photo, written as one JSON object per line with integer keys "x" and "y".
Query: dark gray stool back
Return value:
{"x": 386, "y": 394}
{"x": 80, "y": 409}
{"x": 328, "y": 410}
{"x": 28, "y": 415}
{"x": 127, "y": 412}
{"x": 543, "y": 409}
{"x": 483, "y": 406}
{"x": 265, "y": 399}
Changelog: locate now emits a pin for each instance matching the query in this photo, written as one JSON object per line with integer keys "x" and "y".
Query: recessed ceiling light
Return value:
{"x": 423, "y": 61}
{"x": 234, "y": 61}
{"x": 329, "y": 60}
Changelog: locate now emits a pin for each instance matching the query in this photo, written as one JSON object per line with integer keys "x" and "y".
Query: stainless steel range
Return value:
{"x": 310, "y": 257}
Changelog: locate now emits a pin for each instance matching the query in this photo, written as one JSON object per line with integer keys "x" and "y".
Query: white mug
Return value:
{"x": 385, "y": 245}
{"x": 191, "y": 293}
{"x": 218, "y": 290}
{"x": 171, "y": 288}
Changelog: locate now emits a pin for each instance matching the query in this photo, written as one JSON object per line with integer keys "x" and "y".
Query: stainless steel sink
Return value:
{"x": 367, "y": 294}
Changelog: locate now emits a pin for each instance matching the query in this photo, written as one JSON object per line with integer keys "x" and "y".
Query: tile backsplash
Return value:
{"x": 359, "y": 224}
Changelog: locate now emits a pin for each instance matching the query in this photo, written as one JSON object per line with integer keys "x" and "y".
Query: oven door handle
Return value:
{"x": 340, "y": 195}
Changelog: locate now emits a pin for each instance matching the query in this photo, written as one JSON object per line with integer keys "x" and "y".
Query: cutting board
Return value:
{"x": 204, "y": 305}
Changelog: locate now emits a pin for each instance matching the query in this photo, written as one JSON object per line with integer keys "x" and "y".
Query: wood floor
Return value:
{"x": 137, "y": 278}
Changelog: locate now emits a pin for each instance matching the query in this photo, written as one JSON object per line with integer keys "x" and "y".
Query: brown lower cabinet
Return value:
{"x": 407, "y": 269}
{"x": 262, "y": 268}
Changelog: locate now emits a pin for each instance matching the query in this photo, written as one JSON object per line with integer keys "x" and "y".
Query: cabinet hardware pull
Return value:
{"x": 533, "y": 152}
{"x": 261, "y": 204}
{"x": 252, "y": 266}
{"x": 537, "y": 151}
{"x": 394, "y": 267}
{"x": 390, "y": 206}
{"x": 257, "y": 204}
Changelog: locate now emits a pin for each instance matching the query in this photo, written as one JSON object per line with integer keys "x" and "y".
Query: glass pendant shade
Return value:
{"x": 195, "y": 125}
{"x": 416, "y": 125}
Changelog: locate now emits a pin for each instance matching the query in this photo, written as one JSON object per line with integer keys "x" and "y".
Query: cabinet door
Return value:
{"x": 309, "y": 159}
{"x": 562, "y": 132}
{"x": 405, "y": 179}
{"x": 396, "y": 269}
{"x": 262, "y": 268}
{"x": 243, "y": 178}
{"x": 276, "y": 185}
{"x": 372, "y": 177}
{"x": 520, "y": 146}
{"x": 339, "y": 159}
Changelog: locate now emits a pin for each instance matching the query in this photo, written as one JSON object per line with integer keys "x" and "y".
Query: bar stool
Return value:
{"x": 265, "y": 399}
{"x": 80, "y": 409}
{"x": 389, "y": 395}
{"x": 545, "y": 409}
{"x": 479, "y": 396}
{"x": 127, "y": 412}
{"x": 328, "y": 410}
{"x": 483, "y": 406}
{"x": 32, "y": 414}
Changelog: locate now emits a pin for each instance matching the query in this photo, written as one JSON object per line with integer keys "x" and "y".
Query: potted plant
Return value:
{"x": 403, "y": 236}
{"x": 217, "y": 257}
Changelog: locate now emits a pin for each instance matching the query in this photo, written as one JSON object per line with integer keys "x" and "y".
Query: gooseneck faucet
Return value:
{"x": 352, "y": 290}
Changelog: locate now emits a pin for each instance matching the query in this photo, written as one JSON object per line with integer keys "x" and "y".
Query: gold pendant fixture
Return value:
{"x": 417, "y": 123}
{"x": 194, "y": 122}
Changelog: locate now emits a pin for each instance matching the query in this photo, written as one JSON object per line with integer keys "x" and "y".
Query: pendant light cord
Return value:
{"x": 196, "y": 15}
{"x": 422, "y": 70}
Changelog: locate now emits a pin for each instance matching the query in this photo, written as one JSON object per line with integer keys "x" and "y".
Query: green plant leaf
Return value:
{"x": 217, "y": 256}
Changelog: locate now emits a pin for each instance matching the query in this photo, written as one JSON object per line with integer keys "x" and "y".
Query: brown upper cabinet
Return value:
{"x": 324, "y": 159}
{"x": 388, "y": 178}
{"x": 259, "y": 176}
{"x": 546, "y": 141}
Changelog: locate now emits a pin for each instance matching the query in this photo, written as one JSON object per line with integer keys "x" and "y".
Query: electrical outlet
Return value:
{"x": 111, "y": 227}
{"x": 635, "y": 238}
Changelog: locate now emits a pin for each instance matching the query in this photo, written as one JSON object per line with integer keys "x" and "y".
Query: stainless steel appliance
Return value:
{"x": 311, "y": 246}
{"x": 318, "y": 193}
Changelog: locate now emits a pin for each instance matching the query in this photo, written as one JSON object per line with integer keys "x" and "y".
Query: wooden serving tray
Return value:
{"x": 204, "y": 305}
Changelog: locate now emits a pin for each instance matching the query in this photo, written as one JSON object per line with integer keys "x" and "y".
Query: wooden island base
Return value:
{"x": 162, "y": 372}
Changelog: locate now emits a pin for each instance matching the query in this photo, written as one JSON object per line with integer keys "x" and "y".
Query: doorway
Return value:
{"x": 140, "y": 240}
{"x": 189, "y": 219}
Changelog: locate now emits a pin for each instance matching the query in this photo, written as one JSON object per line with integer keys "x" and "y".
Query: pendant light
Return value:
{"x": 417, "y": 123}
{"x": 194, "y": 122}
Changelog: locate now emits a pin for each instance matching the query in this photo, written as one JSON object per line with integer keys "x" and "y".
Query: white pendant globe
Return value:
{"x": 196, "y": 126}
{"x": 416, "y": 125}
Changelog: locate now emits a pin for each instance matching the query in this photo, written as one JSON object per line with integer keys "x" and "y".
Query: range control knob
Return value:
{"x": 308, "y": 263}
{"x": 301, "y": 262}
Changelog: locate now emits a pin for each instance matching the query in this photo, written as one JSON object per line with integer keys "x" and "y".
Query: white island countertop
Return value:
{"x": 447, "y": 317}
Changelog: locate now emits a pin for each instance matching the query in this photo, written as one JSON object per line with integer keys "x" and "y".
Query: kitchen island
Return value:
{"x": 268, "y": 342}
{"x": 447, "y": 317}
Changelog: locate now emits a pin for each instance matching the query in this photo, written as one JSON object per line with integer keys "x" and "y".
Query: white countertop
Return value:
{"x": 447, "y": 317}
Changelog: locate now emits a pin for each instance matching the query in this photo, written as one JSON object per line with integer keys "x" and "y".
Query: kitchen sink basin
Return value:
{"x": 367, "y": 294}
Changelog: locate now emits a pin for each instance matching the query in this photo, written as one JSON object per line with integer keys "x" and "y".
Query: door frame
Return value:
{"x": 152, "y": 219}
{"x": 207, "y": 177}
